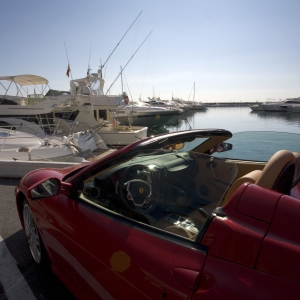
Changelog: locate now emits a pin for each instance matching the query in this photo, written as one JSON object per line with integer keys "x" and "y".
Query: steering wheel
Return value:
{"x": 135, "y": 187}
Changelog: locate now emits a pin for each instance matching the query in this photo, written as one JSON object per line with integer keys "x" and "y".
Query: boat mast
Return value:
{"x": 121, "y": 79}
{"x": 102, "y": 66}
{"x": 128, "y": 61}
{"x": 194, "y": 93}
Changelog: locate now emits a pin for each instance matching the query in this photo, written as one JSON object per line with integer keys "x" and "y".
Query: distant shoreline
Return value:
{"x": 228, "y": 104}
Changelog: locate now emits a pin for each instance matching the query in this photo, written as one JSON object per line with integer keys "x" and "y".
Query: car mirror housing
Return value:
{"x": 65, "y": 188}
{"x": 47, "y": 188}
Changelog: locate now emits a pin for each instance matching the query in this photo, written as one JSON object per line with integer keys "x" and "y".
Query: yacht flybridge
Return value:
{"x": 117, "y": 107}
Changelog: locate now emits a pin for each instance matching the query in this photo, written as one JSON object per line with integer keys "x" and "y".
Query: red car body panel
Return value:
{"x": 282, "y": 243}
{"x": 222, "y": 279}
{"x": 250, "y": 249}
{"x": 242, "y": 248}
{"x": 144, "y": 265}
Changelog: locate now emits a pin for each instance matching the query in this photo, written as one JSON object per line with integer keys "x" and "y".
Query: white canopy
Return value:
{"x": 26, "y": 79}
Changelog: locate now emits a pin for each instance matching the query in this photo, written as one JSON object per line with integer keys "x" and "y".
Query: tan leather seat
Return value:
{"x": 277, "y": 175}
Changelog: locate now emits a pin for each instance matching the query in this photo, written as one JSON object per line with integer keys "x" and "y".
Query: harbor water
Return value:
{"x": 238, "y": 119}
{"x": 256, "y": 135}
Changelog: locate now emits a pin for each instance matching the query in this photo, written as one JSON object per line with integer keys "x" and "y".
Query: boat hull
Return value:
{"x": 147, "y": 119}
{"x": 123, "y": 135}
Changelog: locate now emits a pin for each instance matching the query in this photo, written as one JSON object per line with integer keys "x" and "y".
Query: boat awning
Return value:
{"x": 26, "y": 79}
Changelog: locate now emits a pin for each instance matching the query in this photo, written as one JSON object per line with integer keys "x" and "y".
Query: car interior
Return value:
{"x": 171, "y": 190}
{"x": 176, "y": 189}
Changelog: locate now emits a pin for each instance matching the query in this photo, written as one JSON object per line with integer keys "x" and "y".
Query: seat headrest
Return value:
{"x": 276, "y": 174}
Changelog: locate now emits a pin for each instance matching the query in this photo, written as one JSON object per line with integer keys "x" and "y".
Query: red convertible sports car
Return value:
{"x": 168, "y": 218}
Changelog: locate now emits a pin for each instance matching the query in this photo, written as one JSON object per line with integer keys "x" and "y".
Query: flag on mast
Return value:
{"x": 68, "y": 70}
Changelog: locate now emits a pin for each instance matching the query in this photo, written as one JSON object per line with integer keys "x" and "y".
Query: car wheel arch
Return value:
{"x": 20, "y": 199}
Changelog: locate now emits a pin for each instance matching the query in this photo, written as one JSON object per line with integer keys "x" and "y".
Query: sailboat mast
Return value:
{"x": 194, "y": 93}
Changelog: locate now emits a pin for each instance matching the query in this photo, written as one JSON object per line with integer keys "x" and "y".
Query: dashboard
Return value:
{"x": 175, "y": 190}
{"x": 170, "y": 177}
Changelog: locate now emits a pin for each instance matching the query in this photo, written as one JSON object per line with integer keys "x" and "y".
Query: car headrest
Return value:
{"x": 279, "y": 172}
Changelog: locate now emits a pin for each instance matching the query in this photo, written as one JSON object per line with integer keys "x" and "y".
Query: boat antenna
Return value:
{"x": 88, "y": 71}
{"x": 69, "y": 69}
{"x": 128, "y": 87}
{"x": 121, "y": 78}
{"x": 101, "y": 67}
{"x": 129, "y": 61}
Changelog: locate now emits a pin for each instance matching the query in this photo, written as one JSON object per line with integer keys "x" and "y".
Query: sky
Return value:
{"x": 230, "y": 50}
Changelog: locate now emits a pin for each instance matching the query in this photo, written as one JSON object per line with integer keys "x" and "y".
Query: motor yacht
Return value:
{"x": 280, "y": 105}
{"x": 108, "y": 107}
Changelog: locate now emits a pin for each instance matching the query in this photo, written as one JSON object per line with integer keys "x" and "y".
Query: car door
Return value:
{"x": 99, "y": 253}
{"x": 106, "y": 239}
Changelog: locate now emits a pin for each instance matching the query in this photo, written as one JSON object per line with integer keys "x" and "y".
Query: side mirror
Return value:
{"x": 221, "y": 148}
{"x": 47, "y": 188}
{"x": 224, "y": 147}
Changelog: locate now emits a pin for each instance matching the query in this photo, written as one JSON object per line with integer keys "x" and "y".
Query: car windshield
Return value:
{"x": 260, "y": 145}
{"x": 174, "y": 191}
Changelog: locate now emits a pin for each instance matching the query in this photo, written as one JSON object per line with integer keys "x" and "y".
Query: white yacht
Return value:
{"x": 256, "y": 107}
{"x": 144, "y": 115}
{"x": 280, "y": 105}
{"x": 104, "y": 106}
{"x": 293, "y": 108}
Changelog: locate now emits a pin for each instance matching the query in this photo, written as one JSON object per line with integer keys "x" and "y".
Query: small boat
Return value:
{"x": 121, "y": 135}
{"x": 18, "y": 145}
{"x": 23, "y": 140}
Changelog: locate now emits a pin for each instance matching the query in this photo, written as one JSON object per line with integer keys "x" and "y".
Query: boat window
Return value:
{"x": 4, "y": 134}
{"x": 103, "y": 114}
{"x": 95, "y": 114}
{"x": 67, "y": 115}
